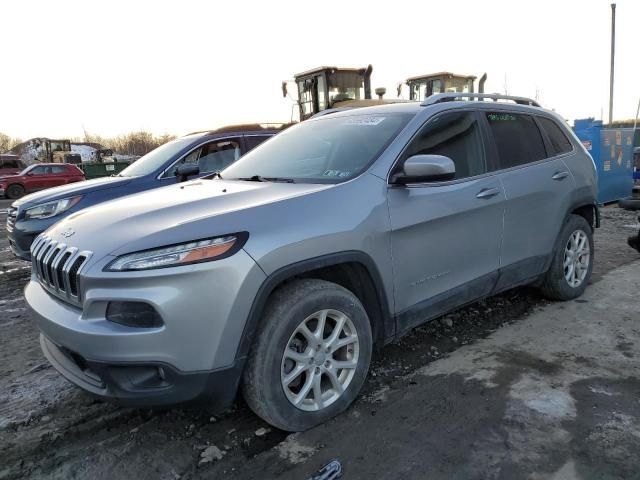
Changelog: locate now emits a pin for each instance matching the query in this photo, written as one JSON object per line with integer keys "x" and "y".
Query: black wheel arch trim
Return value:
{"x": 289, "y": 271}
{"x": 585, "y": 202}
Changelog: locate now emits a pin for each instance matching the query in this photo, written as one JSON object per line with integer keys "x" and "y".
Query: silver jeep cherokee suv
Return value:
{"x": 279, "y": 275}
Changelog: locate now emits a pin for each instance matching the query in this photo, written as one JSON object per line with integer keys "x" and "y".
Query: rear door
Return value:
{"x": 446, "y": 236}
{"x": 59, "y": 176}
{"x": 537, "y": 186}
{"x": 54, "y": 175}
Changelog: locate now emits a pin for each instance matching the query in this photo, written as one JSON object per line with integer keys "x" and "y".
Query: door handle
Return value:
{"x": 488, "y": 193}
{"x": 560, "y": 175}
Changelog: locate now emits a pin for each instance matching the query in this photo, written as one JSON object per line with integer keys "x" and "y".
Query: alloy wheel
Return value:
{"x": 577, "y": 258}
{"x": 320, "y": 360}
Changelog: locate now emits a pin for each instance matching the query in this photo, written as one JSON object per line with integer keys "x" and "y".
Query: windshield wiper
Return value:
{"x": 213, "y": 175}
{"x": 258, "y": 178}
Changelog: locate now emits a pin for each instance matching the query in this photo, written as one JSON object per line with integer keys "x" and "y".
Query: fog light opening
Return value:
{"x": 133, "y": 314}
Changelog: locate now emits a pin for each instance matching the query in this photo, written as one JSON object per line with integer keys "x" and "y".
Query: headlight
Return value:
{"x": 51, "y": 209}
{"x": 181, "y": 254}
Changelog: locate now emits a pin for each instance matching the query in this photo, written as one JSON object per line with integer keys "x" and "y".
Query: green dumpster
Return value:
{"x": 96, "y": 170}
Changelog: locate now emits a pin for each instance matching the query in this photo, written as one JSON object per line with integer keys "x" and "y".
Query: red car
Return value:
{"x": 10, "y": 164}
{"x": 38, "y": 177}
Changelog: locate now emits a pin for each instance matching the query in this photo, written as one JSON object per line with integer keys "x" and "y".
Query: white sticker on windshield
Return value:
{"x": 369, "y": 120}
{"x": 336, "y": 173}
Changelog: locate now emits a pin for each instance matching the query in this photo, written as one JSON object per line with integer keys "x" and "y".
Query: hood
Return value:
{"x": 72, "y": 189}
{"x": 8, "y": 175}
{"x": 178, "y": 213}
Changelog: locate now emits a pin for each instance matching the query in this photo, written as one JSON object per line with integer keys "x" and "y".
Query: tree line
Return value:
{"x": 134, "y": 143}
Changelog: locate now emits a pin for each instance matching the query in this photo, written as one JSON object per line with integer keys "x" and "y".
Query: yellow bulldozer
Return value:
{"x": 57, "y": 151}
{"x": 324, "y": 88}
{"x": 424, "y": 86}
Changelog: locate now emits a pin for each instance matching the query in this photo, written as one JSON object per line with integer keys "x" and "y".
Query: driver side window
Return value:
{"x": 455, "y": 135}
{"x": 210, "y": 157}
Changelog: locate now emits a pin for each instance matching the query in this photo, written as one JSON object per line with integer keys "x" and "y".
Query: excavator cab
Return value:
{"x": 325, "y": 87}
{"x": 426, "y": 85}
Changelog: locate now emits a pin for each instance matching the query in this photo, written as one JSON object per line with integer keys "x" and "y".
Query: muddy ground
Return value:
{"x": 511, "y": 387}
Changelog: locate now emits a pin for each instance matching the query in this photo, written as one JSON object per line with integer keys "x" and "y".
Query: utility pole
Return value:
{"x": 613, "y": 57}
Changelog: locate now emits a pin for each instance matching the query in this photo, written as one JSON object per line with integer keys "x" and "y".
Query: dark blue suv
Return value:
{"x": 194, "y": 155}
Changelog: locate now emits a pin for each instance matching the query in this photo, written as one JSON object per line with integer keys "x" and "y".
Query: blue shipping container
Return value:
{"x": 612, "y": 152}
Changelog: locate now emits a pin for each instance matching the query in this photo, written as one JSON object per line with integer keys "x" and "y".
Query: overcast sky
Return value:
{"x": 112, "y": 66}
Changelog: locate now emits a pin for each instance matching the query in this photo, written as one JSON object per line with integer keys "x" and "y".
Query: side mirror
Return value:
{"x": 425, "y": 168}
{"x": 183, "y": 172}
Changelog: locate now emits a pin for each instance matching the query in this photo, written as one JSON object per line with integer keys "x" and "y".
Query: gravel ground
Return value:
{"x": 50, "y": 429}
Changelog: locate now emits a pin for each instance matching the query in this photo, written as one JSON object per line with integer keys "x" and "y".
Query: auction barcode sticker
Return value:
{"x": 367, "y": 121}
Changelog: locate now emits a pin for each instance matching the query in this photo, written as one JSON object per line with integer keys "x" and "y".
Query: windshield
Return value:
{"x": 155, "y": 159}
{"x": 330, "y": 149}
{"x": 24, "y": 172}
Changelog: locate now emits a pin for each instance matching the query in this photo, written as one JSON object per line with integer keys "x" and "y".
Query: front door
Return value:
{"x": 446, "y": 236}
{"x": 36, "y": 178}
{"x": 210, "y": 157}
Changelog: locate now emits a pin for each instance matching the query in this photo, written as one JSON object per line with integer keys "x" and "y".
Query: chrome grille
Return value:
{"x": 12, "y": 213}
{"x": 57, "y": 266}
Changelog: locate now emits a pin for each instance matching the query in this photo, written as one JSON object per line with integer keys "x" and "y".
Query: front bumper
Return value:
{"x": 204, "y": 308}
{"x": 23, "y": 232}
{"x": 22, "y": 254}
{"x": 146, "y": 384}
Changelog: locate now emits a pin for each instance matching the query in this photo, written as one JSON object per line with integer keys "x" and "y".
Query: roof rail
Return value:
{"x": 453, "y": 96}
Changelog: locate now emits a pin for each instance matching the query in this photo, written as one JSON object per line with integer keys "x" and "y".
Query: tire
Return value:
{"x": 555, "y": 283}
{"x": 15, "y": 191}
{"x": 629, "y": 203}
{"x": 264, "y": 383}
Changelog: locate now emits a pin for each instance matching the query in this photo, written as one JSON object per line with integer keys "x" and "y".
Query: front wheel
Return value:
{"x": 15, "y": 191}
{"x": 572, "y": 262}
{"x": 311, "y": 355}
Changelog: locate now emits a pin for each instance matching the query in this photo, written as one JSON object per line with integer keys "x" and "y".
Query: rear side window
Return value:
{"x": 517, "y": 139}
{"x": 455, "y": 135}
{"x": 559, "y": 141}
{"x": 58, "y": 170}
{"x": 252, "y": 141}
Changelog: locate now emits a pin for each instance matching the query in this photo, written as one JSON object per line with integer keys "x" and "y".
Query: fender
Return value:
{"x": 387, "y": 323}
{"x": 584, "y": 202}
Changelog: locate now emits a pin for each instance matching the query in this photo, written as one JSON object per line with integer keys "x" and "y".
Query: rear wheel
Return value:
{"x": 572, "y": 262}
{"x": 311, "y": 355}
{"x": 15, "y": 191}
